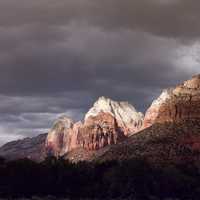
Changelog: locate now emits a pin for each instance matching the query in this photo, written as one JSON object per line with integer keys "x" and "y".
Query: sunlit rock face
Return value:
{"x": 107, "y": 122}
{"x": 177, "y": 104}
{"x": 58, "y": 136}
{"x": 171, "y": 131}
{"x": 99, "y": 131}
{"x": 127, "y": 118}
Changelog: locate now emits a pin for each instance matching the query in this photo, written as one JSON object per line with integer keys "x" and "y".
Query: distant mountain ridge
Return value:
{"x": 32, "y": 148}
{"x": 169, "y": 131}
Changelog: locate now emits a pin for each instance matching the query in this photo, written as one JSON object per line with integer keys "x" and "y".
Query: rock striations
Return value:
{"x": 107, "y": 122}
{"x": 177, "y": 104}
{"x": 128, "y": 119}
{"x": 171, "y": 129}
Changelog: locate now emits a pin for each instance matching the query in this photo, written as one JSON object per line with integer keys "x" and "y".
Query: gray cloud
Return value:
{"x": 59, "y": 56}
{"x": 178, "y": 18}
{"x": 84, "y": 58}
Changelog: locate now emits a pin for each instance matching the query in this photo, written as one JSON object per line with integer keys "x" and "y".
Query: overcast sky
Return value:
{"x": 58, "y": 57}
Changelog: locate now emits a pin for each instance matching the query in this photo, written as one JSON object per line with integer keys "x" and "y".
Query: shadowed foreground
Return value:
{"x": 135, "y": 179}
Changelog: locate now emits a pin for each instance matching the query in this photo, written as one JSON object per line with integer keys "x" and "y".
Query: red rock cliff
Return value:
{"x": 175, "y": 105}
{"x": 106, "y": 123}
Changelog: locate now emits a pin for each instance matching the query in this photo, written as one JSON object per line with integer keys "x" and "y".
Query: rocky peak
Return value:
{"x": 176, "y": 104}
{"x": 63, "y": 122}
{"x": 106, "y": 123}
{"x": 194, "y": 83}
{"x": 164, "y": 97}
{"x": 125, "y": 114}
{"x": 55, "y": 139}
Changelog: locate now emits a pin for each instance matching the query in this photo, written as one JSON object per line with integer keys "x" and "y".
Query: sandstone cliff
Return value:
{"x": 57, "y": 138}
{"x": 160, "y": 144}
{"x": 107, "y": 122}
{"x": 127, "y": 118}
{"x": 99, "y": 131}
{"x": 176, "y": 104}
{"x": 171, "y": 131}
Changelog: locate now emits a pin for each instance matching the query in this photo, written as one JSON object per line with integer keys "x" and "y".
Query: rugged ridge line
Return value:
{"x": 176, "y": 104}
{"x": 170, "y": 134}
{"x": 111, "y": 130}
{"x": 107, "y": 122}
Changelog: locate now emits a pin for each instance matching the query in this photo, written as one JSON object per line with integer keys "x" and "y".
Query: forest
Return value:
{"x": 114, "y": 179}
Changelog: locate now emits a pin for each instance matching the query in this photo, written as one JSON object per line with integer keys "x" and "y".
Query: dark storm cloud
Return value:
{"x": 36, "y": 104}
{"x": 58, "y": 57}
{"x": 178, "y": 18}
{"x": 82, "y": 59}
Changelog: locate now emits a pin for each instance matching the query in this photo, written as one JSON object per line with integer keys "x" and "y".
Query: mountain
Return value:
{"x": 164, "y": 143}
{"x": 168, "y": 133}
{"x": 128, "y": 119}
{"x": 32, "y": 148}
{"x": 171, "y": 130}
{"x": 176, "y": 104}
{"x": 107, "y": 122}
{"x": 57, "y": 139}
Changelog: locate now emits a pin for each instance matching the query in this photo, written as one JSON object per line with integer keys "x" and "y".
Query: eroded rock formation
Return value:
{"x": 106, "y": 123}
{"x": 128, "y": 119}
{"x": 57, "y": 139}
{"x": 99, "y": 131}
{"x": 172, "y": 131}
{"x": 175, "y": 105}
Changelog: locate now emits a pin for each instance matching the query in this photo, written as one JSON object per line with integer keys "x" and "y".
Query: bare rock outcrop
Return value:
{"x": 58, "y": 137}
{"x": 99, "y": 131}
{"x": 175, "y": 105}
{"x": 107, "y": 122}
{"x": 127, "y": 118}
{"x": 160, "y": 144}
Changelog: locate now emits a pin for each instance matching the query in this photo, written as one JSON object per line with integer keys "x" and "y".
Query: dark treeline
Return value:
{"x": 131, "y": 178}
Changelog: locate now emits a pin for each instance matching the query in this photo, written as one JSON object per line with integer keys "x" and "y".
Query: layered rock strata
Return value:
{"x": 176, "y": 104}
{"x": 107, "y": 122}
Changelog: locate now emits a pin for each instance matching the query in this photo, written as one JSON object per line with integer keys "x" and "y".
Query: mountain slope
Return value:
{"x": 171, "y": 131}
{"x": 32, "y": 148}
{"x": 171, "y": 128}
{"x": 161, "y": 143}
{"x": 114, "y": 130}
